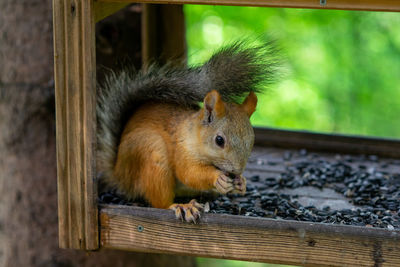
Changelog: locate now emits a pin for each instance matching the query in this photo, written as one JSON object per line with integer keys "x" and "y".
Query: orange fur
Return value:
{"x": 163, "y": 142}
{"x": 213, "y": 101}
{"x": 146, "y": 147}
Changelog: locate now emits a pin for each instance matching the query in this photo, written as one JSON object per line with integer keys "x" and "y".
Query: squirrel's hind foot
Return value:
{"x": 189, "y": 212}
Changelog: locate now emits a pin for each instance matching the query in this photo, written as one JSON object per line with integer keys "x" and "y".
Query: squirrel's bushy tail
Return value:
{"x": 233, "y": 71}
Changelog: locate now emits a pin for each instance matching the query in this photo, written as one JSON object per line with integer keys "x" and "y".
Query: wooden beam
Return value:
{"x": 75, "y": 80}
{"x": 327, "y": 142}
{"x": 105, "y": 9}
{"x": 251, "y": 239}
{"x": 163, "y": 33}
{"x": 371, "y": 5}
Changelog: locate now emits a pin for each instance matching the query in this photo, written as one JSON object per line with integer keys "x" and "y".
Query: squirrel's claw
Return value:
{"x": 189, "y": 212}
{"x": 224, "y": 184}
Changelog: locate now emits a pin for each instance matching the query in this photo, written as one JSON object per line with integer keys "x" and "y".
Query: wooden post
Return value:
{"x": 163, "y": 33}
{"x": 75, "y": 80}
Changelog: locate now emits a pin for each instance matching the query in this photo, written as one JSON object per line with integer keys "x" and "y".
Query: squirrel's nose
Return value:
{"x": 235, "y": 167}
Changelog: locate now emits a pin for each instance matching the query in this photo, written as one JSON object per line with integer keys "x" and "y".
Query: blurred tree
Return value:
{"x": 28, "y": 197}
{"x": 341, "y": 68}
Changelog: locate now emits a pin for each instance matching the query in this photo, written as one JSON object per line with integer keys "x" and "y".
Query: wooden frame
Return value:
{"x": 75, "y": 81}
{"x": 74, "y": 54}
{"x": 261, "y": 239}
{"x": 251, "y": 239}
{"x": 371, "y": 5}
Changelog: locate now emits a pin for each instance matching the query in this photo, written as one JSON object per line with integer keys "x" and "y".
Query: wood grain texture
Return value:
{"x": 163, "y": 33}
{"x": 74, "y": 62}
{"x": 371, "y": 5}
{"x": 103, "y": 10}
{"x": 327, "y": 142}
{"x": 252, "y": 239}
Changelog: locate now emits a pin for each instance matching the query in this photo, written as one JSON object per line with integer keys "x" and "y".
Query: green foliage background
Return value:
{"x": 340, "y": 71}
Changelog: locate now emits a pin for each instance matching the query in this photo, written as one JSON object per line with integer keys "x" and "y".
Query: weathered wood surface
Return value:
{"x": 163, "y": 33}
{"x": 271, "y": 162}
{"x": 74, "y": 61}
{"x": 271, "y": 158}
{"x": 327, "y": 142}
{"x": 252, "y": 239}
{"x": 268, "y": 160}
{"x": 371, "y": 5}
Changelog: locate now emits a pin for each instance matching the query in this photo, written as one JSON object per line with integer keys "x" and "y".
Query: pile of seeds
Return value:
{"x": 375, "y": 194}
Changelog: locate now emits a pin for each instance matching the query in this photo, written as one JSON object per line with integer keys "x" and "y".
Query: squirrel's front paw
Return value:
{"x": 239, "y": 183}
{"x": 189, "y": 212}
{"x": 224, "y": 184}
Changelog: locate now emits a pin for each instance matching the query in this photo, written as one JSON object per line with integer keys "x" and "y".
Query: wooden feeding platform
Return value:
{"x": 264, "y": 239}
{"x": 83, "y": 224}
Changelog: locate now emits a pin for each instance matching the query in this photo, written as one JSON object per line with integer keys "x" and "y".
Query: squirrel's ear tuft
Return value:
{"x": 249, "y": 104}
{"x": 214, "y": 107}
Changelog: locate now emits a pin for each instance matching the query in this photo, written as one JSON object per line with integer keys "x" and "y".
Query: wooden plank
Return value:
{"x": 244, "y": 238}
{"x": 74, "y": 63}
{"x": 163, "y": 33}
{"x": 150, "y": 42}
{"x": 327, "y": 142}
{"x": 369, "y": 5}
{"x": 272, "y": 160}
{"x": 60, "y": 93}
{"x": 103, "y": 10}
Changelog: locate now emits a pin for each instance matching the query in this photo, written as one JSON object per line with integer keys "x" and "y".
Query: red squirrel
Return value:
{"x": 154, "y": 136}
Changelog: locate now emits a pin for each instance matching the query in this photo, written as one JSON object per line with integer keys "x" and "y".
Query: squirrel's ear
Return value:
{"x": 213, "y": 106}
{"x": 249, "y": 104}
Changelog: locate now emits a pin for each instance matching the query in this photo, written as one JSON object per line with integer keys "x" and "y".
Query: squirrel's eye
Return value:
{"x": 219, "y": 140}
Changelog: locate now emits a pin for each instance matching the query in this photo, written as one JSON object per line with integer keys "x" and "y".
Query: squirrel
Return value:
{"x": 153, "y": 134}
